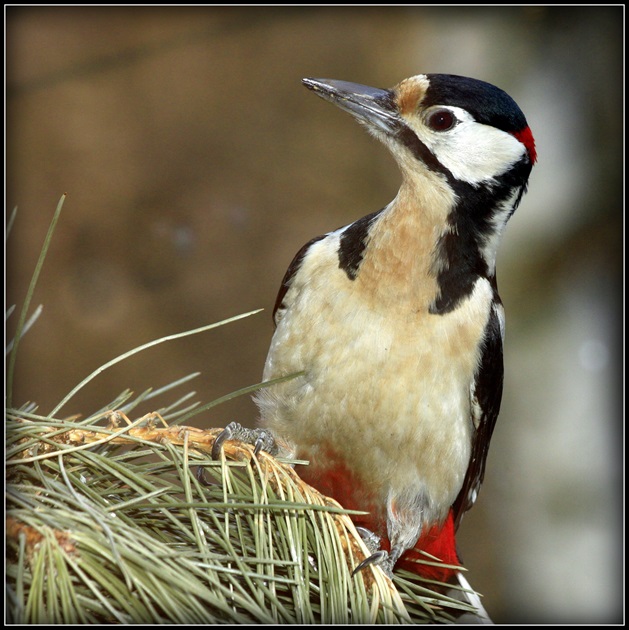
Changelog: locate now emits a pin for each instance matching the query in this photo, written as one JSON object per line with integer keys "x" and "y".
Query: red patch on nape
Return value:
{"x": 526, "y": 138}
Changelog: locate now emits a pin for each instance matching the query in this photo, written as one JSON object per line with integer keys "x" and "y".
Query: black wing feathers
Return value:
{"x": 352, "y": 244}
{"x": 288, "y": 276}
{"x": 488, "y": 395}
{"x": 351, "y": 247}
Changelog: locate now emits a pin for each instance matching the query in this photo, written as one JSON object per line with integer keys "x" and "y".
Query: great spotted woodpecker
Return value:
{"x": 396, "y": 323}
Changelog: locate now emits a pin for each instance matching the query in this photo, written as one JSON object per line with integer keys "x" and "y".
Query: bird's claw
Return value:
{"x": 261, "y": 439}
{"x": 380, "y": 558}
{"x": 371, "y": 539}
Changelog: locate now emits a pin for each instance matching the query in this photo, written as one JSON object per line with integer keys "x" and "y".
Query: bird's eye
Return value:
{"x": 441, "y": 120}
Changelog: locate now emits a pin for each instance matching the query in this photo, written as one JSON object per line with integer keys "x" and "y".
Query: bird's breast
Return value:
{"x": 389, "y": 388}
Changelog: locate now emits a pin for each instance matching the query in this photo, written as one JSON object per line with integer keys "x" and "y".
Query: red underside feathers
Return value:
{"x": 340, "y": 483}
{"x": 438, "y": 542}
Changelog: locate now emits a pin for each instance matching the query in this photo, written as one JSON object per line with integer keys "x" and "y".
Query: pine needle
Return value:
{"x": 145, "y": 346}
{"x": 29, "y": 295}
{"x": 31, "y": 320}
{"x": 136, "y": 524}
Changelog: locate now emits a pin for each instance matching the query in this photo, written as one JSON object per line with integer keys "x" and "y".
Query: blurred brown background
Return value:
{"x": 196, "y": 165}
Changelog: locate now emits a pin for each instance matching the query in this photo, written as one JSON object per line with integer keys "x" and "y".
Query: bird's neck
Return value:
{"x": 401, "y": 260}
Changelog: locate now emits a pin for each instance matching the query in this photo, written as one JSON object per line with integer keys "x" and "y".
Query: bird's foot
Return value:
{"x": 261, "y": 439}
{"x": 381, "y": 558}
{"x": 371, "y": 539}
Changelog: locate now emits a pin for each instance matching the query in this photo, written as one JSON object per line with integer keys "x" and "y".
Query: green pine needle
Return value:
{"x": 29, "y": 295}
{"x": 137, "y": 524}
{"x": 145, "y": 346}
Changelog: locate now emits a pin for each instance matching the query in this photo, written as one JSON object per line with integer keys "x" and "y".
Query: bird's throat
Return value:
{"x": 399, "y": 263}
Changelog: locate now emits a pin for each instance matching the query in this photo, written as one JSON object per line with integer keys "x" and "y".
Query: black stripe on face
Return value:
{"x": 352, "y": 244}
{"x": 458, "y": 255}
{"x": 420, "y": 151}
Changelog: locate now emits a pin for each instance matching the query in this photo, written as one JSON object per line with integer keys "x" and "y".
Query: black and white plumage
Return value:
{"x": 395, "y": 319}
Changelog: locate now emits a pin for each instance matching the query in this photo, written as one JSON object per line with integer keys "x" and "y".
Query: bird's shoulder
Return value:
{"x": 343, "y": 248}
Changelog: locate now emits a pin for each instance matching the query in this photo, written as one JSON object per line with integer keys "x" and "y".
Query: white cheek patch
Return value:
{"x": 472, "y": 152}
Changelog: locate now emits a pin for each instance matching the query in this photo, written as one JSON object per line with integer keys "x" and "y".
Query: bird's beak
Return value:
{"x": 372, "y": 106}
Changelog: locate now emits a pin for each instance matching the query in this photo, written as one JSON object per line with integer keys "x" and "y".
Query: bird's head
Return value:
{"x": 460, "y": 141}
{"x": 463, "y": 128}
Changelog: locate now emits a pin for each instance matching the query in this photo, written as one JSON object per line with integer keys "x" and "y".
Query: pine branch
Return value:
{"x": 132, "y": 522}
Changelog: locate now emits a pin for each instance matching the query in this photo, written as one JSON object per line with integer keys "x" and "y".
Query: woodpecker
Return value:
{"x": 394, "y": 321}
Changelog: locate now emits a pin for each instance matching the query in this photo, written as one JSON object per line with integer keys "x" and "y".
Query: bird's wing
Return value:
{"x": 486, "y": 394}
{"x": 280, "y": 306}
{"x": 351, "y": 245}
